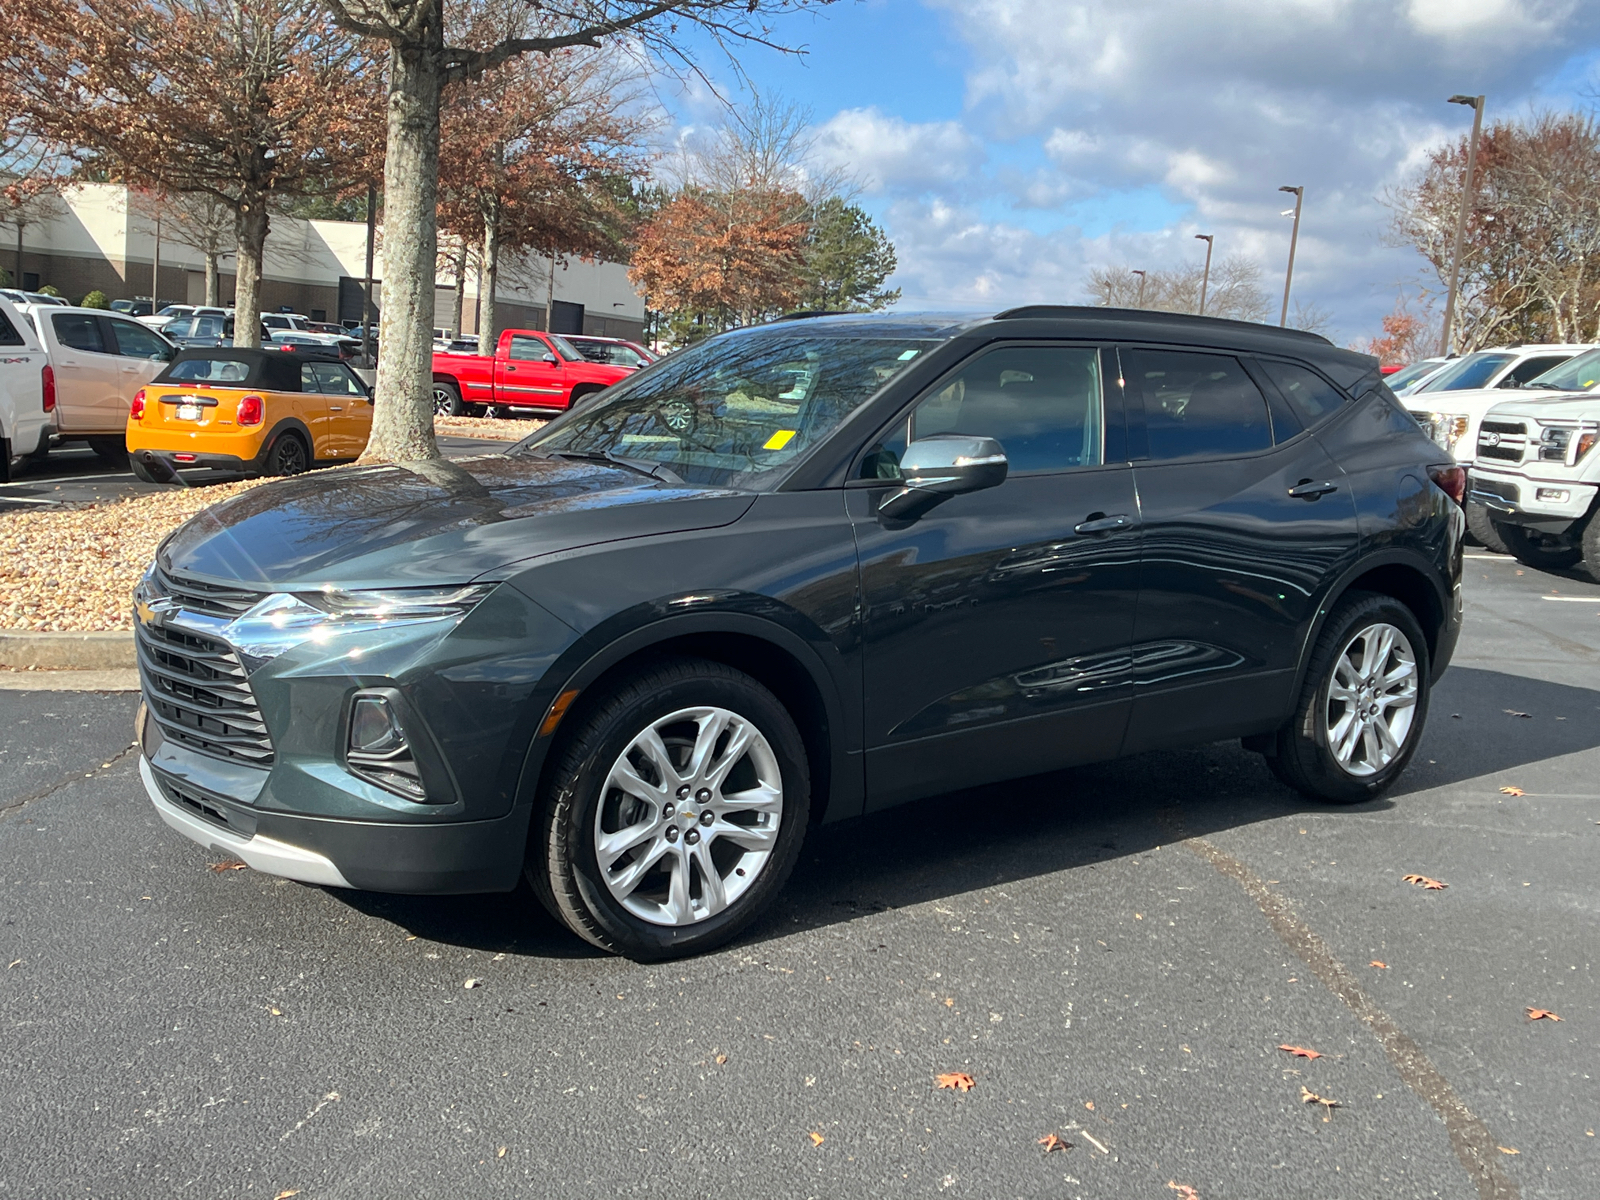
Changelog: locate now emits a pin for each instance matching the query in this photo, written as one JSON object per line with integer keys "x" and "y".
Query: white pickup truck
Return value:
{"x": 1538, "y": 476}
{"x": 101, "y": 359}
{"x": 27, "y": 391}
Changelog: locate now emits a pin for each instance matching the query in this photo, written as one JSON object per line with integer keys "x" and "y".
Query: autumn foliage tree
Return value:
{"x": 247, "y": 102}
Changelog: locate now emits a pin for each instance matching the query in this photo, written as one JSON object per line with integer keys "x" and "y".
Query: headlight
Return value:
{"x": 285, "y": 620}
{"x": 1564, "y": 444}
{"x": 1446, "y": 429}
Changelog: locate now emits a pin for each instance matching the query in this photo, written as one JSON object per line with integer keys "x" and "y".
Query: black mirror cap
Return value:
{"x": 932, "y": 469}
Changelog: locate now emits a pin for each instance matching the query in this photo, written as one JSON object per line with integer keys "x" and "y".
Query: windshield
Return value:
{"x": 733, "y": 409}
{"x": 1473, "y": 371}
{"x": 1406, "y": 376}
{"x": 1578, "y": 374}
{"x": 614, "y": 354}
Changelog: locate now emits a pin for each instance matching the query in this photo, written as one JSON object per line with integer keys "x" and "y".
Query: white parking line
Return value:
{"x": 7, "y": 498}
{"x": 1491, "y": 557}
{"x": 1574, "y": 599}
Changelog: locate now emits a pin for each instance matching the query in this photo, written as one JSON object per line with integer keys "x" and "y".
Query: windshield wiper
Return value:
{"x": 652, "y": 470}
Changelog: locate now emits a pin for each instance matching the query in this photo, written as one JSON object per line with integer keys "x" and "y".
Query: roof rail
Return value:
{"x": 804, "y": 313}
{"x": 1153, "y": 316}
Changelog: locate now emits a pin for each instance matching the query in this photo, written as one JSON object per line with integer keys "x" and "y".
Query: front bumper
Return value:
{"x": 1515, "y": 499}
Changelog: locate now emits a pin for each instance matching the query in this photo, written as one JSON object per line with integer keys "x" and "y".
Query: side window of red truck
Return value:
{"x": 527, "y": 348}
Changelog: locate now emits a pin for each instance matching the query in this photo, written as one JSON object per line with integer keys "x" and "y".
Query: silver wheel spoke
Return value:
{"x": 625, "y": 777}
{"x": 705, "y": 743}
{"x": 738, "y": 742}
{"x": 1375, "y": 682}
{"x": 679, "y": 906}
{"x": 1388, "y": 747}
{"x": 614, "y": 845}
{"x": 757, "y": 799}
{"x": 712, "y": 894}
{"x": 751, "y": 837}
{"x": 653, "y": 748}
{"x": 1377, "y": 656}
{"x": 629, "y": 877}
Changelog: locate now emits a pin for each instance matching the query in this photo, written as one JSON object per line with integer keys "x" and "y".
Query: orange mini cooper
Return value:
{"x": 251, "y": 412}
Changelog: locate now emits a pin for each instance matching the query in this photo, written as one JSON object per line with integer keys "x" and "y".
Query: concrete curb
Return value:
{"x": 68, "y": 651}
{"x": 69, "y": 681}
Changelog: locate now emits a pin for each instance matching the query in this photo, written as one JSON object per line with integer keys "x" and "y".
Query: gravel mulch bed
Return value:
{"x": 75, "y": 569}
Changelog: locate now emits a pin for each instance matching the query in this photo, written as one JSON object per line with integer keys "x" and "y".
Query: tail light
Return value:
{"x": 136, "y": 409}
{"x": 251, "y": 410}
{"x": 47, "y": 380}
{"x": 1452, "y": 480}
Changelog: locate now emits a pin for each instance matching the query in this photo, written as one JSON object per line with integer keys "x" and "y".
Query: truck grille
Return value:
{"x": 209, "y": 598}
{"x": 198, "y": 693}
{"x": 1504, "y": 440}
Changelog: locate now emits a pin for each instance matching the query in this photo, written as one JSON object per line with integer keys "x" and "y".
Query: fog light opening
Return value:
{"x": 1554, "y": 495}
{"x": 378, "y": 751}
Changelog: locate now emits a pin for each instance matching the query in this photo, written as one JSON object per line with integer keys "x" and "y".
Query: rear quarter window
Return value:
{"x": 1311, "y": 396}
{"x": 10, "y": 335}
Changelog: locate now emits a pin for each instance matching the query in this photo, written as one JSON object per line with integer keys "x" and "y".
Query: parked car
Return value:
{"x": 288, "y": 321}
{"x": 32, "y": 298}
{"x": 616, "y": 352}
{"x": 205, "y": 329}
{"x": 1535, "y": 479}
{"x": 170, "y": 313}
{"x": 345, "y": 346}
{"x": 139, "y": 306}
{"x": 1414, "y": 374}
{"x": 27, "y": 392}
{"x": 1508, "y": 367}
{"x": 329, "y": 327}
{"x": 248, "y": 412}
{"x": 531, "y": 371}
{"x": 796, "y": 573}
{"x": 100, "y": 360}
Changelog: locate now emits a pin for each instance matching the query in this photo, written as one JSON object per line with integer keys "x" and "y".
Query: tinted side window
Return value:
{"x": 1196, "y": 405}
{"x": 1312, "y": 396}
{"x": 78, "y": 330}
{"x": 209, "y": 327}
{"x": 1532, "y": 368}
{"x": 181, "y": 327}
{"x": 8, "y": 333}
{"x": 136, "y": 341}
{"x": 528, "y": 348}
{"x": 335, "y": 380}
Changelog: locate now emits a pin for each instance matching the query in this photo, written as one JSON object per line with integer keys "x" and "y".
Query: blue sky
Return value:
{"x": 1008, "y": 146}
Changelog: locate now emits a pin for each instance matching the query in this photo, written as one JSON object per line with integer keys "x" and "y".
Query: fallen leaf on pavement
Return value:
{"x": 1511, "y": 712}
{"x": 721, "y": 1058}
{"x": 1184, "y": 1190}
{"x": 949, "y": 1002}
{"x": 1542, "y": 1014}
{"x": 1301, "y": 1052}
{"x": 284, "y": 1195}
{"x": 1512, "y": 791}
{"x": 472, "y": 983}
{"x": 1051, "y": 1141}
{"x": 1507, "y": 1150}
{"x": 1382, "y": 966}
{"x": 816, "y": 1138}
{"x": 958, "y": 1081}
{"x": 15, "y": 962}
{"x": 1426, "y": 884}
{"x": 275, "y": 1012}
{"x": 1089, "y": 1104}
{"x": 228, "y": 864}
{"x": 500, "y": 1153}
{"x": 1307, "y": 1096}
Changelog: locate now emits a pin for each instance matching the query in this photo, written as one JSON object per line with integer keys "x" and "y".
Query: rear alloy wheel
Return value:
{"x": 675, "y": 814}
{"x": 447, "y": 400}
{"x": 1482, "y": 528}
{"x": 288, "y": 456}
{"x": 1362, "y": 706}
{"x": 1538, "y": 550}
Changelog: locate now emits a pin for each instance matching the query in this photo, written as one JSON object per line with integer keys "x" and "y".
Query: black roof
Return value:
{"x": 272, "y": 370}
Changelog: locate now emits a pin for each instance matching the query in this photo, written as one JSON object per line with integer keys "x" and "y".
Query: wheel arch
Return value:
{"x": 1400, "y": 576}
{"x": 287, "y": 425}
{"x": 773, "y": 655}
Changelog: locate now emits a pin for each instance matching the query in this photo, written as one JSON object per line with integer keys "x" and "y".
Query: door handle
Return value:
{"x": 335, "y": 408}
{"x": 511, "y": 368}
{"x": 1308, "y": 490}
{"x": 1103, "y": 524}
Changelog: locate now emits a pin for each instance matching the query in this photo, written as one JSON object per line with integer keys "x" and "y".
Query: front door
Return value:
{"x": 1245, "y": 516}
{"x": 526, "y": 378}
{"x": 315, "y": 411}
{"x": 996, "y": 627}
{"x": 88, "y": 375}
{"x": 349, "y": 408}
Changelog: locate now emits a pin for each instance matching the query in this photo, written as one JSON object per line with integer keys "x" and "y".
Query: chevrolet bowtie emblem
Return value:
{"x": 146, "y": 613}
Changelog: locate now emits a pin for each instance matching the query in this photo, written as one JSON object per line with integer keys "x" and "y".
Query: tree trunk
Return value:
{"x": 212, "y": 283}
{"x": 460, "y": 313}
{"x": 488, "y": 277}
{"x": 549, "y": 295}
{"x": 402, "y": 419}
{"x": 252, "y": 236}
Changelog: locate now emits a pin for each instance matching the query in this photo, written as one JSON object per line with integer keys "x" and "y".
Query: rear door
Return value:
{"x": 996, "y": 626}
{"x": 349, "y": 408}
{"x": 88, "y": 374}
{"x": 526, "y": 377}
{"x": 142, "y": 354}
{"x": 1246, "y": 518}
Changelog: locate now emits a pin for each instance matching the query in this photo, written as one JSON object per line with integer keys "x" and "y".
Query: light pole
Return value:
{"x": 1139, "y": 303}
{"x": 1205, "y": 279}
{"x": 1294, "y": 241}
{"x": 1476, "y": 104}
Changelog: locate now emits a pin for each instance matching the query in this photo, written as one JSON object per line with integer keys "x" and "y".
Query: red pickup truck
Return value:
{"x": 530, "y": 371}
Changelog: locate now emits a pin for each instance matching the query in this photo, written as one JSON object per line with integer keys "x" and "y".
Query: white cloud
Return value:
{"x": 888, "y": 153}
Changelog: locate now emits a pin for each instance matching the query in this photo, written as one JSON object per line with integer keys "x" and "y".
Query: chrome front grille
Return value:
{"x": 213, "y": 599}
{"x": 1503, "y": 440}
{"x": 199, "y": 695}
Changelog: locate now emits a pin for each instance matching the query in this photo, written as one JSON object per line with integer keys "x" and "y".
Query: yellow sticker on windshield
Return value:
{"x": 779, "y": 440}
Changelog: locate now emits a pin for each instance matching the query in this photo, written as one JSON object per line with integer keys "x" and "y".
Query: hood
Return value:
{"x": 1551, "y": 406}
{"x": 433, "y": 522}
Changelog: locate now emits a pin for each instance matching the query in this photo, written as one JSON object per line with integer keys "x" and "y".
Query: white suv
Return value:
{"x": 1537, "y": 475}
{"x": 27, "y": 391}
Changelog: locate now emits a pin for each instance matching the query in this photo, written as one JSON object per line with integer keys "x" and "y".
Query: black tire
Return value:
{"x": 1590, "y": 541}
{"x": 287, "y": 455}
{"x": 1301, "y": 755}
{"x": 494, "y": 412}
{"x": 447, "y": 399}
{"x": 581, "y": 395}
{"x": 112, "y": 451}
{"x": 1538, "y": 550}
{"x": 562, "y": 864}
{"x": 1481, "y": 527}
{"x": 140, "y": 471}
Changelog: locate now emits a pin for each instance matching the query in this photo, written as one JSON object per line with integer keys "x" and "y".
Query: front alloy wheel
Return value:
{"x": 674, "y": 811}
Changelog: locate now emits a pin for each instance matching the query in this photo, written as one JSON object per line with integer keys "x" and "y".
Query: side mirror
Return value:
{"x": 551, "y": 359}
{"x": 935, "y": 468}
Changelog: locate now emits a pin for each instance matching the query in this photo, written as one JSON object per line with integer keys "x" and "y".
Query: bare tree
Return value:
{"x": 202, "y": 222}
{"x": 1234, "y": 290}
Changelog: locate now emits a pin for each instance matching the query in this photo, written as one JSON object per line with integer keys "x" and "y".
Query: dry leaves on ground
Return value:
{"x": 1054, "y": 1141}
{"x": 1426, "y": 884}
{"x": 499, "y": 429}
{"x": 1507, "y": 1150}
{"x": 958, "y": 1081}
{"x": 1382, "y": 966}
{"x": 1307, "y": 1096}
{"x": 816, "y": 1138}
{"x": 1184, "y": 1190}
{"x": 1512, "y": 791}
{"x": 1542, "y": 1014}
{"x": 227, "y": 864}
{"x": 284, "y": 1195}
{"x": 1511, "y": 712}
{"x": 75, "y": 568}
{"x": 1301, "y": 1052}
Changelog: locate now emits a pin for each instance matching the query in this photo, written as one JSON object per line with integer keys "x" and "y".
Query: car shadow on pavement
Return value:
{"x": 1001, "y": 833}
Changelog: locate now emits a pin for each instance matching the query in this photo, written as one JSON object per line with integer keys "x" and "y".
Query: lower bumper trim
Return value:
{"x": 264, "y": 854}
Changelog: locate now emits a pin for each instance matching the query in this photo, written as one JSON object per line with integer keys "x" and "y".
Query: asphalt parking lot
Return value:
{"x": 1113, "y": 954}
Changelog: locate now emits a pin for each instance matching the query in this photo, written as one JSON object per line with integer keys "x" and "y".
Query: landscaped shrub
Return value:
{"x": 95, "y": 299}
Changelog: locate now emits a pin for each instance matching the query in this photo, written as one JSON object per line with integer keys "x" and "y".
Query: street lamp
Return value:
{"x": 1294, "y": 241}
{"x": 1205, "y": 279}
{"x": 1139, "y": 303}
{"x": 1476, "y": 104}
